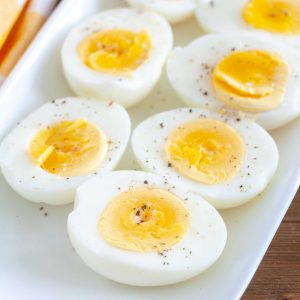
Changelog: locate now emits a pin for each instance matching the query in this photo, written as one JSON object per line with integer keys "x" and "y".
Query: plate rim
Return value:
{"x": 23, "y": 65}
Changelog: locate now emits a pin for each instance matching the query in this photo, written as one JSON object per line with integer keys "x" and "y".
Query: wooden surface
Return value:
{"x": 278, "y": 276}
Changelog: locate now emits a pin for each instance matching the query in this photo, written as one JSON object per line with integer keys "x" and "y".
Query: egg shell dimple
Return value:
{"x": 221, "y": 16}
{"x": 189, "y": 71}
{"x": 37, "y": 185}
{"x": 125, "y": 89}
{"x": 173, "y": 11}
{"x": 259, "y": 165}
{"x": 200, "y": 247}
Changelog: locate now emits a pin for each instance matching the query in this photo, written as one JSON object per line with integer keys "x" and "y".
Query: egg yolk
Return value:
{"x": 277, "y": 16}
{"x": 205, "y": 150}
{"x": 251, "y": 81}
{"x": 144, "y": 220}
{"x": 115, "y": 50}
{"x": 69, "y": 148}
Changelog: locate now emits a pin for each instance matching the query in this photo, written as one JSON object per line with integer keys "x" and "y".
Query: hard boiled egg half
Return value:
{"x": 60, "y": 145}
{"x": 277, "y": 18}
{"x": 141, "y": 229}
{"x": 249, "y": 73}
{"x": 173, "y": 10}
{"x": 227, "y": 160}
{"x": 117, "y": 55}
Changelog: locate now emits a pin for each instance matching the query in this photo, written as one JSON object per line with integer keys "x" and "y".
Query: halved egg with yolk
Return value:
{"x": 273, "y": 18}
{"x": 141, "y": 229}
{"x": 61, "y": 144}
{"x": 206, "y": 150}
{"x": 69, "y": 148}
{"x": 251, "y": 81}
{"x": 278, "y": 16}
{"x": 240, "y": 74}
{"x": 115, "y": 51}
{"x": 144, "y": 220}
{"x": 117, "y": 55}
{"x": 226, "y": 159}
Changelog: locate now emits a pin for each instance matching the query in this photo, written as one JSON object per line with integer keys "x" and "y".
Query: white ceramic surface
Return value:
{"x": 36, "y": 257}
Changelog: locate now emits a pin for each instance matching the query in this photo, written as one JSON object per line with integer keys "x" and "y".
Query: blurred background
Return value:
{"x": 20, "y": 22}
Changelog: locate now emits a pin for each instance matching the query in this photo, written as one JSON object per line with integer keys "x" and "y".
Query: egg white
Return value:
{"x": 127, "y": 89}
{"x": 225, "y": 16}
{"x": 174, "y": 11}
{"x": 199, "y": 248}
{"x": 189, "y": 71}
{"x": 257, "y": 169}
{"x": 37, "y": 185}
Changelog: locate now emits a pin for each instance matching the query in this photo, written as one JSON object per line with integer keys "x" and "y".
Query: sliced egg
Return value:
{"x": 61, "y": 144}
{"x": 249, "y": 73}
{"x": 173, "y": 10}
{"x": 141, "y": 229}
{"x": 227, "y": 160}
{"x": 277, "y": 18}
{"x": 117, "y": 55}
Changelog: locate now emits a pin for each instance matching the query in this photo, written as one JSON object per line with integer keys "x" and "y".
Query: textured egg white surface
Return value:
{"x": 34, "y": 183}
{"x": 190, "y": 69}
{"x": 261, "y": 156}
{"x": 174, "y": 11}
{"x": 124, "y": 89}
{"x": 200, "y": 247}
{"x": 226, "y": 16}
{"x": 35, "y": 249}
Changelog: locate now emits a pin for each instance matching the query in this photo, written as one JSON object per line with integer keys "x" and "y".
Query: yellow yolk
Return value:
{"x": 69, "y": 148}
{"x": 251, "y": 81}
{"x": 115, "y": 51}
{"x": 144, "y": 220}
{"x": 205, "y": 150}
{"x": 277, "y": 16}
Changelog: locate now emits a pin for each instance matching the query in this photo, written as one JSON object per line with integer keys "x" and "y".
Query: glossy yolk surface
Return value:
{"x": 144, "y": 220}
{"x": 205, "y": 150}
{"x": 251, "y": 81}
{"x": 69, "y": 148}
{"x": 115, "y": 50}
{"x": 277, "y": 16}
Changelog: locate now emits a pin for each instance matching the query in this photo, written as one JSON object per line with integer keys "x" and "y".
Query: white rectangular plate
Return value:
{"x": 36, "y": 257}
